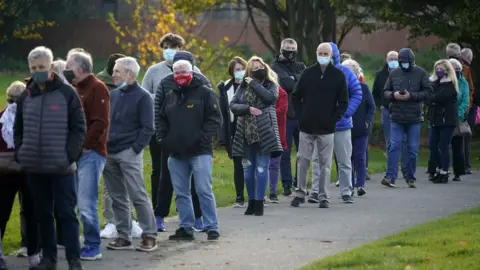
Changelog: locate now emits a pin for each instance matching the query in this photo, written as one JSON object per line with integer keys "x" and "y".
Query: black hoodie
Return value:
{"x": 378, "y": 85}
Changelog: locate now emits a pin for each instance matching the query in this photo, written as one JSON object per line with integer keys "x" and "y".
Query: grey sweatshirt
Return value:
{"x": 155, "y": 74}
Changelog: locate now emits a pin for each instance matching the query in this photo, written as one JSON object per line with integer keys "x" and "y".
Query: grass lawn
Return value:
{"x": 449, "y": 243}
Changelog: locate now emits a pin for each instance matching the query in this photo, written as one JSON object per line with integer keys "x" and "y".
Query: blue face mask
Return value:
{"x": 459, "y": 74}
{"x": 168, "y": 54}
{"x": 40, "y": 77}
{"x": 405, "y": 65}
{"x": 393, "y": 64}
{"x": 239, "y": 75}
{"x": 322, "y": 60}
{"x": 121, "y": 86}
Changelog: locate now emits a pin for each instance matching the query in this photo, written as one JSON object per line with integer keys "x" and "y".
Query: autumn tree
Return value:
{"x": 151, "y": 21}
{"x": 308, "y": 22}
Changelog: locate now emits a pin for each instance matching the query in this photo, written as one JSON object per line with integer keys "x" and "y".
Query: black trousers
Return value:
{"x": 10, "y": 185}
{"x": 458, "y": 155}
{"x": 156, "y": 155}
{"x": 165, "y": 191}
{"x": 238, "y": 177}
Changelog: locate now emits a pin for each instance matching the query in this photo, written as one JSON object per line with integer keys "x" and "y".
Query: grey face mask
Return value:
{"x": 405, "y": 65}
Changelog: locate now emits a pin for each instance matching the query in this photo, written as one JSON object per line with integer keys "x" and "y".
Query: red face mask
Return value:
{"x": 361, "y": 79}
{"x": 183, "y": 80}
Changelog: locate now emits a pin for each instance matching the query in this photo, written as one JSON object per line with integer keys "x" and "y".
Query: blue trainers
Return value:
{"x": 90, "y": 254}
{"x": 160, "y": 224}
{"x": 198, "y": 227}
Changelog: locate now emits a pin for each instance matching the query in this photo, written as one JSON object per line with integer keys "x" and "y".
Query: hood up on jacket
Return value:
{"x": 406, "y": 55}
{"x": 354, "y": 91}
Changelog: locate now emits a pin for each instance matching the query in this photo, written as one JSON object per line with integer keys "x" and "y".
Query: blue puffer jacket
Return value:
{"x": 354, "y": 91}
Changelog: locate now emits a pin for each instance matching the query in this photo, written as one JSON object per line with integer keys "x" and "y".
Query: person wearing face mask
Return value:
{"x": 13, "y": 180}
{"x": 405, "y": 90}
{"x": 227, "y": 90}
{"x": 106, "y": 74}
{"x": 186, "y": 125}
{"x": 96, "y": 106}
{"x": 51, "y": 170}
{"x": 443, "y": 118}
{"x": 320, "y": 99}
{"x": 131, "y": 126}
{"x": 164, "y": 190}
{"x": 288, "y": 71}
{"x": 383, "y": 104}
{"x": 256, "y": 139}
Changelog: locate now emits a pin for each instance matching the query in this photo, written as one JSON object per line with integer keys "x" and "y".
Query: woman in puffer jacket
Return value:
{"x": 12, "y": 179}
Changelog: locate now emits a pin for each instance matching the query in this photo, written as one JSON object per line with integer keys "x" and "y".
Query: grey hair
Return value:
{"x": 83, "y": 60}
{"x": 353, "y": 66}
{"x": 59, "y": 66}
{"x": 15, "y": 89}
{"x": 453, "y": 49}
{"x": 288, "y": 41}
{"x": 467, "y": 54}
{"x": 130, "y": 64}
{"x": 455, "y": 64}
{"x": 74, "y": 50}
{"x": 41, "y": 52}
{"x": 183, "y": 63}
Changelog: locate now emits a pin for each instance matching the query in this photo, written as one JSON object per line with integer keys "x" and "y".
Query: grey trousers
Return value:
{"x": 324, "y": 146}
{"x": 343, "y": 152}
{"x": 107, "y": 211}
{"x": 123, "y": 176}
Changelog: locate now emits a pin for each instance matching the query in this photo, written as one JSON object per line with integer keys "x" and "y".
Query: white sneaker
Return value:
{"x": 22, "y": 252}
{"x": 136, "y": 230}
{"x": 337, "y": 184}
{"x": 33, "y": 260}
{"x": 109, "y": 232}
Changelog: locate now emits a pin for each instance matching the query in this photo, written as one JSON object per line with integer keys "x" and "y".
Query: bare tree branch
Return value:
{"x": 260, "y": 35}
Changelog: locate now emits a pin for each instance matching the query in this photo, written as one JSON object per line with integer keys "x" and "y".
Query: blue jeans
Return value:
{"x": 386, "y": 125}
{"x": 181, "y": 172}
{"x": 439, "y": 140}
{"x": 255, "y": 172}
{"x": 359, "y": 160}
{"x": 292, "y": 136}
{"x": 398, "y": 132}
{"x": 51, "y": 191}
{"x": 90, "y": 168}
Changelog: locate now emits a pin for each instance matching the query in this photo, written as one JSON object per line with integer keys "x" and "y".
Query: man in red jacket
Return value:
{"x": 281, "y": 108}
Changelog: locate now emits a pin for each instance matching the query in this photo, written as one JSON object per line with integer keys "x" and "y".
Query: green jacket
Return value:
{"x": 106, "y": 79}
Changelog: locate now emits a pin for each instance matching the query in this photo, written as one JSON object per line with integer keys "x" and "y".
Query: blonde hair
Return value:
{"x": 271, "y": 75}
{"x": 59, "y": 66}
{"x": 354, "y": 66}
{"x": 450, "y": 72}
{"x": 15, "y": 89}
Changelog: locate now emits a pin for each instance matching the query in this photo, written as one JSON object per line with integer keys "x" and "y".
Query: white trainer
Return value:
{"x": 109, "y": 232}
{"x": 136, "y": 230}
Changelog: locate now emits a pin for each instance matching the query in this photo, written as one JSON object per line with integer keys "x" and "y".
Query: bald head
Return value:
{"x": 324, "y": 49}
{"x": 392, "y": 56}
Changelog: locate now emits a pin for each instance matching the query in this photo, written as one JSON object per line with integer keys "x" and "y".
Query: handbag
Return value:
{"x": 462, "y": 129}
{"x": 8, "y": 164}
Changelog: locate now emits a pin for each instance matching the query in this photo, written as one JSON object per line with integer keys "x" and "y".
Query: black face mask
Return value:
{"x": 10, "y": 101}
{"x": 289, "y": 55}
{"x": 69, "y": 75}
{"x": 259, "y": 74}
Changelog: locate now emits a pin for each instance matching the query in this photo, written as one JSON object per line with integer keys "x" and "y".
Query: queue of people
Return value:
{"x": 66, "y": 127}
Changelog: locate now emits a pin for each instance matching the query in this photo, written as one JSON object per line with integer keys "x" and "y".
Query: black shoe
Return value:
{"x": 287, "y": 191}
{"x": 313, "y": 198}
{"x": 324, "y": 204}
{"x": 120, "y": 244}
{"x": 258, "y": 208}
{"x": 388, "y": 182}
{"x": 361, "y": 191}
{"x": 3, "y": 265}
{"x": 455, "y": 179}
{"x": 441, "y": 179}
{"x": 273, "y": 198}
{"x": 45, "y": 264}
{"x": 239, "y": 202}
{"x": 347, "y": 199}
{"x": 368, "y": 177}
{"x": 411, "y": 184}
{"x": 212, "y": 235}
{"x": 182, "y": 235}
{"x": 249, "y": 211}
{"x": 431, "y": 176}
{"x": 297, "y": 201}
{"x": 75, "y": 265}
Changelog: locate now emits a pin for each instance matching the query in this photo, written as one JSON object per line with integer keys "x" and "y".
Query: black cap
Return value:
{"x": 184, "y": 55}
{"x": 111, "y": 62}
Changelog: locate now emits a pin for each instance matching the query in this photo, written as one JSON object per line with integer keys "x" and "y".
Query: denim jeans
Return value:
{"x": 398, "y": 132}
{"x": 181, "y": 172}
{"x": 359, "y": 160}
{"x": 292, "y": 136}
{"x": 255, "y": 171}
{"x": 90, "y": 168}
{"x": 57, "y": 192}
{"x": 274, "y": 170}
{"x": 386, "y": 125}
{"x": 439, "y": 140}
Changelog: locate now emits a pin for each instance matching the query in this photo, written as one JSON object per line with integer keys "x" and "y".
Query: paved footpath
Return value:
{"x": 286, "y": 238}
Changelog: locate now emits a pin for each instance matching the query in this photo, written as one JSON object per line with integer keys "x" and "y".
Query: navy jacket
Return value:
{"x": 364, "y": 114}
{"x": 131, "y": 119}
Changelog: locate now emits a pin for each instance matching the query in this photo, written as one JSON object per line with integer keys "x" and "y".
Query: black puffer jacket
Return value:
{"x": 442, "y": 110}
{"x": 415, "y": 80}
{"x": 381, "y": 78}
{"x": 288, "y": 74}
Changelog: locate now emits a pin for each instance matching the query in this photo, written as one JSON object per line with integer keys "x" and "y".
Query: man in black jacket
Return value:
{"x": 405, "y": 89}
{"x": 378, "y": 86}
{"x": 320, "y": 99}
{"x": 288, "y": 71}
{"x": 189, "y": 119}
{"x": 49, "y": 133}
